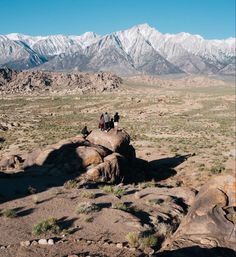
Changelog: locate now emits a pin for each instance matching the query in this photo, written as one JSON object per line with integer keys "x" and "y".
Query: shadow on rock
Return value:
{"x": 196, "y": 251}
{"x": 50, "y": 168}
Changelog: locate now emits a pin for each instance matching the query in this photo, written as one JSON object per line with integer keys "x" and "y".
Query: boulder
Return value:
{"x": 89, "y": 156}
{"x": 11, "y": 162}
{"x": 111, "y": 170}
{"x": 78, "y": 155}
{"x": 210, "y": 221}
{"x": 55, "y": 154}
{"x": 116, "y": 141}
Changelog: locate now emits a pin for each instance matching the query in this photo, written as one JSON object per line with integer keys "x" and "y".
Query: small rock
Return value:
{"x": 43, "y": 241}
{"x": 25, "y": 243}
{"x": 73, "y": 255}
{"x": 50, "y": 242}
{"x": 105, "y": 244}
{"x": 89, "y": 242}
{"x": 119, "y": 245}
{"x": 137, "y": 195}
{"x": 149, "y": 251}
{"x": 133, "y": 249}
{"x": 2, "y": 247}
{"x": 34, "y": 243}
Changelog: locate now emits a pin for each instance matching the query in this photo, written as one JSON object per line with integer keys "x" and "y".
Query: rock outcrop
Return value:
{"x": 210, "y": 221}
{"x": 10, "y": 162}
{"x": 116, "y": 141}
{"x": 100, "y": 157}
{"x": 38, "y": 81}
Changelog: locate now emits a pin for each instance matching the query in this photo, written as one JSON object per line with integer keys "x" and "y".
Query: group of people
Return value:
{"x": 106, "y": 123}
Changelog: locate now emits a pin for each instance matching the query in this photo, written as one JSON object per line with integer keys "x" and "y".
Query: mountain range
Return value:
{"x": 138, "y": 50}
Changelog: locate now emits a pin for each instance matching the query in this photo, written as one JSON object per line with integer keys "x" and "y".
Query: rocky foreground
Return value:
{"x": 25, "y": 82}
{"x": 113, "y": 217}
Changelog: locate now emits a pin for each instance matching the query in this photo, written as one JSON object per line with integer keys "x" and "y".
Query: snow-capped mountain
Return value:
{"x": 140, "y": 49}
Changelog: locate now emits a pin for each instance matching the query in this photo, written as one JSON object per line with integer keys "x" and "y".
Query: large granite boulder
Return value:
{"x": 116, "y": 141}
{"x": 210, "y": 221}
{"x": 98, "y": 157}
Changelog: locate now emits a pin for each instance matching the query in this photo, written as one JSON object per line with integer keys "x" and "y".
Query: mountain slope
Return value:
{"x": 17, "y": 56}
{"x": 140, "y": 49}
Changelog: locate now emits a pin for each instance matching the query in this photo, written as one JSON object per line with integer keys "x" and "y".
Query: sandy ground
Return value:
{"x": 187, "y": 135}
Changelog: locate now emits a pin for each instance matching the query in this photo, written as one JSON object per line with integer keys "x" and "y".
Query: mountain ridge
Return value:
{"x": 139, "y": 50}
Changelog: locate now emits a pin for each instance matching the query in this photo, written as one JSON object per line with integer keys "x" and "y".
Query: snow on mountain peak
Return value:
{"x": 141, "y": 44}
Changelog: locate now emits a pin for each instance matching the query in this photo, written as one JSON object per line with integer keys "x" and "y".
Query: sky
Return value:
{"x": 212, "y": 19}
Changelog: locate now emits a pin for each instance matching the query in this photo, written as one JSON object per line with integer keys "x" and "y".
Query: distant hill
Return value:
{"x": 12, "y": 82}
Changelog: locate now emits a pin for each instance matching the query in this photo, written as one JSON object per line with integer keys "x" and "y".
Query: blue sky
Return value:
{"x": 209, "y": 18}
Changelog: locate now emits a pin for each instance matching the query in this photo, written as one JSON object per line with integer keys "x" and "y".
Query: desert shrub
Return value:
{"x": 70, "y": 184}
{"x": 148, "y": 241}
{"x": 201, "y": 167}
{"x": 48, "y": 225}
{"x": 116, "y": 191}
{"x": 9, "y": 213}
{"x": 87, "y": 194}
{"x": 147, "y": 184}
{"x": 86, "y": 208}
{"x": 31, "y": 190}
{"x": 233, "y": 218}
{"x": 155, "y": 201}
{"x": 141, "y": 241}
{"x": 164, "y": 230}
{"x": 88, "y": 219}
{"x": 120, "y": 206}
{"x": 133, "y": 239}
{"x": 217, "y": 168}
{"x": 108, "y": 189}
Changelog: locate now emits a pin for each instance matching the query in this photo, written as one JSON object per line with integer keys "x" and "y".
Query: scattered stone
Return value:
{"x": 34, "y": 243}
{"x": 119, "y": 245}
{"x": 25, "y": 243}
{"x": 50, "y": 242}
{"x": 43, "y": 241}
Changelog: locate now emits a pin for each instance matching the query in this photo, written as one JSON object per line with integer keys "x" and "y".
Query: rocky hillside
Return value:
{"x": 183, "y": 81}
{"x": 138, "y": 50}
{"x": 38, "y": 81}
{"x": 127, "y": 216}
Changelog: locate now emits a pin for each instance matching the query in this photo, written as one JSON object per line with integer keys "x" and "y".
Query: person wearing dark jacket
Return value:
{"x": 116, "y": 120}
{"x": 112, "y": 123}
{"x": 85, "y": 131}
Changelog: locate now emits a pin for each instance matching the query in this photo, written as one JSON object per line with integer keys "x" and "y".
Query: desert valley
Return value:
{"x": 162, "y": 183}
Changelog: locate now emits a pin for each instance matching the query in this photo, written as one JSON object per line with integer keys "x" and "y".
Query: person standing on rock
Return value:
{"x": 116, "y": 120}
{"x": 101, "y": 124}
{"x": 112, "y": 123}
{"x": 85, "y": 131}
{"x": 107, "y": 121}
